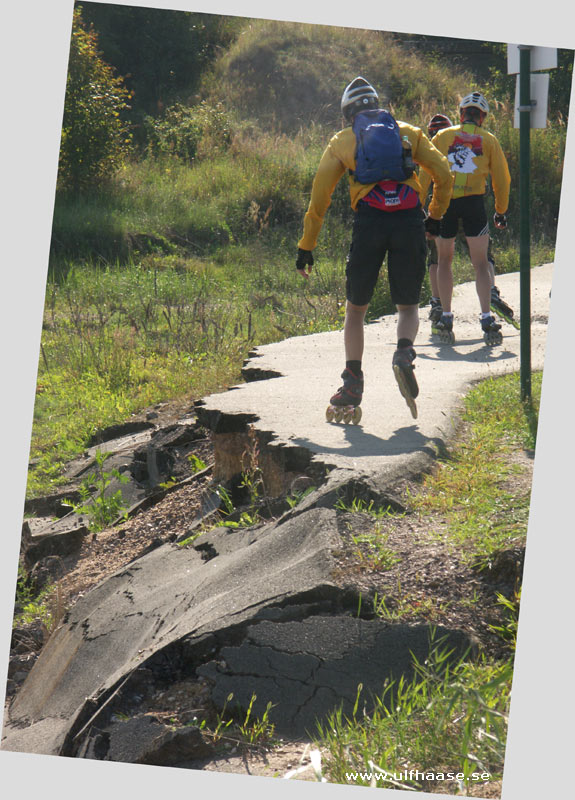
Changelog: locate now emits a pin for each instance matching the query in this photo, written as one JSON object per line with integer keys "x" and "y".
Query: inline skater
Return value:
{"x": 436, "y": 123}
{"x": 389, "y": 220}
{"x": 474, "y": 155}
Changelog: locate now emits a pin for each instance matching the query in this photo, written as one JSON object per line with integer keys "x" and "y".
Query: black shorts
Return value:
{"x": 398, "y": 234}
{"x": 471, "y": 211}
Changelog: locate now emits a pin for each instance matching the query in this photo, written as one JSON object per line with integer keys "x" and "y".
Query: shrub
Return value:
{"x": 189, "y": 132}
{"x": 95, "y": 138}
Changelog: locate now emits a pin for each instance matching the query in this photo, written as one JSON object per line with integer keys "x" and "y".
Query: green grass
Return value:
{"x": 373, "y": 549}
{"x": 33, "y": 606}
{"x": 449, "y": 717}
{"x": 121, "y": 338}
{"x": 468, "y": 487}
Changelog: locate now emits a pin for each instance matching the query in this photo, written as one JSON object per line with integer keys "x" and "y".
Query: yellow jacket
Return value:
{"x": 339, "y": 156}
{"x": 474, "y": 154}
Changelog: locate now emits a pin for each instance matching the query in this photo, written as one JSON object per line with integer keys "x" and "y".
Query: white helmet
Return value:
{"x": 358, "y": 96}
{"x": 475, "y": 100}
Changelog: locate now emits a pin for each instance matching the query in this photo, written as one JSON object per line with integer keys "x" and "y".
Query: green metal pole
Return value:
{"x": 525, "y": 234}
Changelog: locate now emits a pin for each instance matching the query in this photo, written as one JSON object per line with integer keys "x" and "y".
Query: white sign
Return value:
{"x": 539, "y": 93}
{"x": 541, "y": 58}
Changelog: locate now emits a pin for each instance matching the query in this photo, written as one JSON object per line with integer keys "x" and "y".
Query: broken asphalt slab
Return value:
{"x": 171, "y": 594}
{"x": 186, "y": 604}
{"x": 307, "y": 669}
{"x": 145, "y": 740}
{"x": 149, "y": 463}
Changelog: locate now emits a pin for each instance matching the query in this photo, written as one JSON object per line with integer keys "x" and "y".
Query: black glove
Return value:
{"x": 432, "y": 226}
{"x": 304, "y": 259}
{"x": 500, "y": 221}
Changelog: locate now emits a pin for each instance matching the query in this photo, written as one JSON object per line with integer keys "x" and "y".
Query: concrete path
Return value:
{"x": 293, "y": 406}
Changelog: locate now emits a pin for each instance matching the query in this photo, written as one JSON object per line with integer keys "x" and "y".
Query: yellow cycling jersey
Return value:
{"x": 474, "y": 154}
{"x": 339, "y": 156}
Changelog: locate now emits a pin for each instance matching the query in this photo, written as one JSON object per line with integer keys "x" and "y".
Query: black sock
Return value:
{"x": 404, "y": 343}
{"x": 354, "y": 366}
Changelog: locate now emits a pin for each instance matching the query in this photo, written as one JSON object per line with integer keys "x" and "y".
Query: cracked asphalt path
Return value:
{"x": 387, "y": 440}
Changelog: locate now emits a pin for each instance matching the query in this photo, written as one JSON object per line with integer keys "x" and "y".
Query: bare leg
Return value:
{"x": 433, "y": 280}
{"x": 407, "y": 322}
{"x": 445, "y": 251}
{"x": 478, "y": 254}
{"x": 353, "y": 331}
{"x": 407, "y": 326}
{"x": 491, "y": 273}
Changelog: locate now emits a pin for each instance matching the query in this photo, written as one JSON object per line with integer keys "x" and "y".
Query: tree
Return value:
{"x": 162, "y": 53}
{"x": 95, "y": 135}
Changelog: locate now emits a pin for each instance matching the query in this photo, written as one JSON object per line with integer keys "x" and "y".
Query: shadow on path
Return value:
{"x": 402, "y": 441}
{"x": 446, "y": 352}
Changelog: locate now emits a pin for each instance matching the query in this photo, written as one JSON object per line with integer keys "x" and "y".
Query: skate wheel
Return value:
{"x": 404, "y": 389}
{"x": 493, "y": 339}
{"x": 347, "y": 414}
{"x": 338, "y": 415}
{"x": 356, "y": 416}
{"x": 330, "y": 413}
{"x": 412, "y": 407}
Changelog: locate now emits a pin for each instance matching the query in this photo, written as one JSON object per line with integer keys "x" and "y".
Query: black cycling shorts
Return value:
{"x": 398, "y": 234}
{"x": 471, "y": 211}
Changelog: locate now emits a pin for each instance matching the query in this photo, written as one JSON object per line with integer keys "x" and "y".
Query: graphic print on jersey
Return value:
{"x": 392, "y": 196}
{"x": 463, "y": 151}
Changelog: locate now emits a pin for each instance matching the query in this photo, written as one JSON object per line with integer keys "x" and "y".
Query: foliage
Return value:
{"x": 502, "y": 86}
{"x": 256, "y": 730}
{"x": 33, "y": 606}
{"x": 357, "y": 505}
{"x": 242, "y": 727}
{"x": 487, "y": 61}
{"x": 295, "y": 497}
{"x": 95, "y": 137}
{"x": 163, "y": 53}
{"x": 252, "y": 474}
{"x": 189, "y": 132}
{"x": 197, "y": 463}
{"x": 547, "y": 152}
{"x": 101, "y": 508}
{"x": 508, "y": 630}
{"x": 449, "y": 715}
{"x": 373, "y": 549}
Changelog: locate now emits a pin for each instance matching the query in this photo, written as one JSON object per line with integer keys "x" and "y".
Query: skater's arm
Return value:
{"x": 500, "y": 178}
{"x": 425, "y": 182}
{"x": 329, "y": 172}
{"x": 435, "y": 167}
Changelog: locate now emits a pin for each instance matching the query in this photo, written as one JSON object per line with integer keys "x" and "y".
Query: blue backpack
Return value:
{"x": 380, "y": 153}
